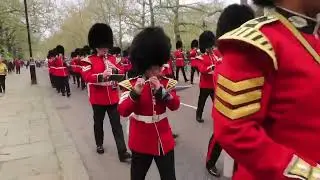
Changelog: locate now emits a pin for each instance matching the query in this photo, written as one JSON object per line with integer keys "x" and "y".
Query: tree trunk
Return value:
{"x": 152, "y": 22}
{"x": 143, "y": 16}
{"x": 176, "y": 27}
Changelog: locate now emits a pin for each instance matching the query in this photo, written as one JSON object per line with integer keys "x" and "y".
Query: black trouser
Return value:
{"x": 141, "y": 163}
{"x": 52, "y": 80}
{"x": 99, "y": 112}
{"x": 214, "y": 151}
{"x": 17, "y": 70}
{"x": 78, "y": 79}
{"x": 74, "y": 77}
{"x": 193, "y": 70}
{"x": 2, "y": 83}
{"x": 63, "y": 84}
{"x": 204, "y": 93}
{"x": 183, "y": 73}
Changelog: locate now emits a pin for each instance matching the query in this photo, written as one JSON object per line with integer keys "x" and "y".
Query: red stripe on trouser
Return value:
{"x": 210, "y": 147}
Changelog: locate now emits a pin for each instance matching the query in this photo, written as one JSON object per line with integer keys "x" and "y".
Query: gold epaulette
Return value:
{"x": 86, "y": 59}
{"x": 251, "y": 34}
{"x": 126, "y": 84}
{"x": 171, "y": 84}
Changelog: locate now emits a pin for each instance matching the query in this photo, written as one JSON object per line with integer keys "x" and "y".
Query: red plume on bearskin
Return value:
{"x": 100, "y": 36}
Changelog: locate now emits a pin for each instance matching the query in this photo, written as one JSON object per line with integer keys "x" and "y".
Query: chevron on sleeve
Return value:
{"x": 238, "y": 99}
{"x": 171, "y": 84}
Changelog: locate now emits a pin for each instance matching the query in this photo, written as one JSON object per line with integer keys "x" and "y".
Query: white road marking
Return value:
{"x": 190, "y": 106}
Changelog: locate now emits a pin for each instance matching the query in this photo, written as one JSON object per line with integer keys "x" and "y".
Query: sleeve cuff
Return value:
{"x": 134, "y": 96}
{"x": 162, "y": 94}
{"x": 115, "y": 71}
{"x": 100, "y": 78}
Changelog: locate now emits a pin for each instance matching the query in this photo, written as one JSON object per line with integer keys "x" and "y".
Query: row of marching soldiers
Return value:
{"x": 145, "y": 97}
{"x": 265, "y": 107}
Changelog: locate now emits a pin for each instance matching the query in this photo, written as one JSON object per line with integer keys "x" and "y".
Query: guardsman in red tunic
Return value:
{"x": 50, "y": 58}
{"x": 126, "y": 64}
{"x": 103, "y": 92}
{"x": 206, "y": 64}
{"x": 167, "y": 69}
{"x": 145, "y": 101}
{"x": 179, "y": 58}
{"x": 73, "y": 67}
{"x": 231, "y": 18}
{"x": 62, "y": 73}
{"x": 193, "y": 53}
{"x": 266, "y": 109}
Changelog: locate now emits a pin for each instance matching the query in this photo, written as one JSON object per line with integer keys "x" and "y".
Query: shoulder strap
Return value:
{"x": 250, "y": 33}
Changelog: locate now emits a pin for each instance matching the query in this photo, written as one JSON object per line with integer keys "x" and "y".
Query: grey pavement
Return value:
{"x": 34, "y": 144}
{"x": 190, "y": 151}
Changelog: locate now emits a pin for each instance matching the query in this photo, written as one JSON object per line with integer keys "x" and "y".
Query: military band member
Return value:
{"x": 51, "y": 58}
{"x": 206, "y": 64}
{"x": 145, "y": 100}
{"x": 266, "y": 108}
{"x": 179, "y": 57}
{"x": 231, "y": 18}
{"x": 193, "y": 53}
{"x": 103, "y": 93}
{"x": 62, "y": 74}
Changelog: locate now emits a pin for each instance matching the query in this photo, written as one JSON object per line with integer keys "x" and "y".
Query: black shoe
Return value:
{"x": 175, "y": 136}
{"x": 63, "y": 94}
{"x": 200, "y": 120}
{"x": 213, "y": 171}
{"x": 186, "y": 80}
{"x": 125, "y": 157}
{"x": 100, "y": 150}
{"x": 68, "y": 94}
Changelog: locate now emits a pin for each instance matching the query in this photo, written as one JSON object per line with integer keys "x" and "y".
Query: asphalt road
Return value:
{"x": 190, "y": 151}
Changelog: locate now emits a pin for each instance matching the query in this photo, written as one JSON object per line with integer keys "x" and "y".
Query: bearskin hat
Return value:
{"x": 115, "y": 50}
{"x": 194, "y": 43}
{"x": 54, "y": 52}
{"x": 100, "y": 36}
{"x": 77, "y": 51}
{"x": 179, "y": 44}
{"x": 151, "y": 47}
{"x": 233, "y": 17}
{"x": 60, "y": 49}
{"x": 206, "y": 40}
{"x": 125, "y": 53}
{"x": 264, "y": 3}
{"x": 73, "y": 54}
{"x": 50, "y": 54}
{"x": 87, "y": 50}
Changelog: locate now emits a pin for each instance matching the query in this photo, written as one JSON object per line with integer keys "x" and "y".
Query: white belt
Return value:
{"x": 179, "y": 58}
{"x": 149, "y": 119}
{"x": 58, "y": 67}
{"x": 108, "y": 83}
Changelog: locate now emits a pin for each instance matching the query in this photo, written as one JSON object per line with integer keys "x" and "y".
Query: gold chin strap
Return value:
{"x": 299, "y": 36}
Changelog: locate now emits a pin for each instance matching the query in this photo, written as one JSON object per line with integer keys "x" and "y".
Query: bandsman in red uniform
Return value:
{"x": 231, "y": 18}
{"x": 103, "y": 93}
{"x": 266, "y": 108}
{"x": 145, "y": 100}
{"x": 206, "y": 64}
{"x": 126, "y": 64}
{"x": 179, "y": 57}
{"x": 167, "y": 69}
{"x": 73, "y": 67}
{"x": 61, "y": 71}
{"x": 51, "y": 58}
{"x": 193, "y": 53}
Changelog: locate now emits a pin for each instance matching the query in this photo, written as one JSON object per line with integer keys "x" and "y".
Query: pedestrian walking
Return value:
{"x": 103, "y": 92}
{"x": 17, "y": 65}
{"x": 145, "y": 100}
{"x": 266, "y": 110}
{"x": 3, "y": 74}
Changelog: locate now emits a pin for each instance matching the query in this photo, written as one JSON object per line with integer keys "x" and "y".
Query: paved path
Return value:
{"x": 34, "y": 144}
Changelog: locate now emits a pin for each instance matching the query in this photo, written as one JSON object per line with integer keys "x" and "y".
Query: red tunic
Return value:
{"x": 206, "y": 64}
{"x": 167, "y": 69}
{"x": 100, "y": 92}
{"x": 60, "y": 68}
{"x": 148, "y": 138}
{"x": 126, "y": 64}
{"x": 75, "y": 65}
{"x": 193, "y": 54}
{"x": 179, "y": 57}
{"x": 266, "y": 109}
{"x": 51, "y": 65}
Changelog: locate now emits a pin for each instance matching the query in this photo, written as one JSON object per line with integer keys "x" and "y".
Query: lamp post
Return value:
{"x": 32, "y": 63}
